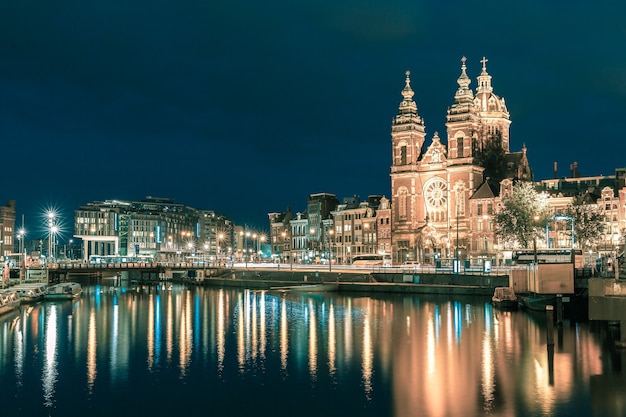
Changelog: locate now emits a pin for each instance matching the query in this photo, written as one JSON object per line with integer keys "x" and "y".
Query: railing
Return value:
{"x": 402, "y": 269}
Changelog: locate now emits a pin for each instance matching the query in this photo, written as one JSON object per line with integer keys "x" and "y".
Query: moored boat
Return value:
{"x": 504, "y": 298}
{"x": 306, "y": 288}
{"x": 9, "y": 301}
{"x": 31, "y": 292}
{"x": 536, "y": 302}
{"x": 64, "y": 291}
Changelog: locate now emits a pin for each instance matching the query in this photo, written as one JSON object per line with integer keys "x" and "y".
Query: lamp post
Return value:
{"x": 283, "y": 235}
{"x": 52, "y": 230}
{"x": 20, "y": 236}
{"x": 220, "y": 237}
{"x": 261, "y": 243}
{"x": 245, "y": 247}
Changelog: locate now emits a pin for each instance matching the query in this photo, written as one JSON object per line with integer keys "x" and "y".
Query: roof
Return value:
{"x": 488, "y": 189}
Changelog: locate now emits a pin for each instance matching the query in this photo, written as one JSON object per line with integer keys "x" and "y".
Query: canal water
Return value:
{"x": 124, "y": 350}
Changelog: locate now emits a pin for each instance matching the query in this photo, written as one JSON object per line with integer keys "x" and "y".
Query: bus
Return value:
{"x": 372, "y": 260}
{"x": 550, "y": 256}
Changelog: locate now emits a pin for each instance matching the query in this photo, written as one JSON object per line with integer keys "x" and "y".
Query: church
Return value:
{"x": 445, "y": 191}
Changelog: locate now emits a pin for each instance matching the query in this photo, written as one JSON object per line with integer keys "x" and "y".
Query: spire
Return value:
{"x": 407, "y": 106}
{"x": 484, "y": 79}
{"x": 407, "y": 92}
{"x": 463, "y": 80}
{"x": 464, "y": 93}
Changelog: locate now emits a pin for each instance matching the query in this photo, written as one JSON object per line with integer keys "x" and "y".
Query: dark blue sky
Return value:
{"x": 246, "y": 107}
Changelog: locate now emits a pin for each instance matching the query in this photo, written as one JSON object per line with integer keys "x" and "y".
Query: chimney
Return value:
{"x": 555, "y": 170}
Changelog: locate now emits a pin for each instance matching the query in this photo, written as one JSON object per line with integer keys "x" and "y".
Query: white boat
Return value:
{"x": 64, "y": 291}
{"x": 31, "y": 292}
{"x": 9, "y": 301}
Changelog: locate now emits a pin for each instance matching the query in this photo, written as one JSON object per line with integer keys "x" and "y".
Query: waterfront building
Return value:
{"x": 319, "y": 209}
{"x": 154, "y": 227}
{"x": 432, "y": 184}
{"x": 216, "y": 241}
{"x": 299, "y": 226}
{"x": 355, "y": 228}
{"x": 7, "y": 228}
{"x": 383, "y": 226}
{"x": 280, "y": 236}
{"x": 607, "y": 193}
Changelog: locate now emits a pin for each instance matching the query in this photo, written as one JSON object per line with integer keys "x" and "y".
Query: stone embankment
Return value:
{"x": 358, "y": 281}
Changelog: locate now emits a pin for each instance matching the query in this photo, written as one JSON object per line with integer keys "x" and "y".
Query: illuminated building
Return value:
{"x": 154, "y": 226}
{"x": 7, "y": 228}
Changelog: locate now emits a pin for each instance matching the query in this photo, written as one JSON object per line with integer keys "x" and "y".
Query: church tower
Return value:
{"x": 407, "y": 132}
{"x": 492, "y": 113}
{"x": 407, "y": 140}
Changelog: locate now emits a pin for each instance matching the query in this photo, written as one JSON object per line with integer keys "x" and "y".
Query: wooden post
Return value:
{"x": 550, "y": 325}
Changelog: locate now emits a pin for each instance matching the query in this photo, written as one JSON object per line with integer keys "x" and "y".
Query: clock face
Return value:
{"x": 436, "y": 193}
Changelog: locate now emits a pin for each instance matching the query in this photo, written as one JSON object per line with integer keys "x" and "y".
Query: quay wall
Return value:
{"x": 365, "y": 281}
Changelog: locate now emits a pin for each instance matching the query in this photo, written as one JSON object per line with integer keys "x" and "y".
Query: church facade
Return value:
{"x": 444, "y": 191}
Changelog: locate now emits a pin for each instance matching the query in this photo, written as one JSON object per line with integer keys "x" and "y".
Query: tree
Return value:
{"x": 522, "y": 217}
{"x": 588, "y": 221}
{"x": 492, "y": 156}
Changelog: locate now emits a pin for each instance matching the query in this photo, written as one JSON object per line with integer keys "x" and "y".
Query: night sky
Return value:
{"x": 247, "y": 107}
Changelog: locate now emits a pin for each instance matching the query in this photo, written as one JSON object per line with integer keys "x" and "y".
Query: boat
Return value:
{"x": 31, "y": 292}
{"x": 504, "y": 298}
{"x": 9, "y": 301}
{"x": 306, "y": 288}
{"x": 536, "y": 302}
{"x": 64, "y": 291}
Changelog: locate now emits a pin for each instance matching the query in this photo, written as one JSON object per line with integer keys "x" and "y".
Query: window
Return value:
{"x": 402, "y": 203}
{"x": 459, "y": 148}
{"x": 403, "y": 155}
{"x": 479, "y": 209}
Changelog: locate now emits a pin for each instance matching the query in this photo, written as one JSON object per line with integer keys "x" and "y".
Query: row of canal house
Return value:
{"x": 343, "y": 230}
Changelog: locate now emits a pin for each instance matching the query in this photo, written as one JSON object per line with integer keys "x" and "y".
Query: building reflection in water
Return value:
{"x": 423, "y": 351}
{"x": 50, "y": 372}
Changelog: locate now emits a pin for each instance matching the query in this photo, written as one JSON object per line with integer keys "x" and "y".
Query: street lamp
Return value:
{"x": 283, "y": 234}
{"x": 329, "y": 234}
{"x": 245, "y": 247}
{"x": 20, "y": 236}
{"x": 261, "y": 243}
{"x": 220, "y": 237}
{"x": 52, "y": 231}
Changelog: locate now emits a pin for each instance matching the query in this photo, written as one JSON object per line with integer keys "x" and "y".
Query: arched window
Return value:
{"x": 402, "y": 203}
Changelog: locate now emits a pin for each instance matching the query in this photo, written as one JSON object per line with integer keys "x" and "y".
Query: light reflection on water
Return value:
{"x": 324, "y": 354}
{"x": 50, "y": 372}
